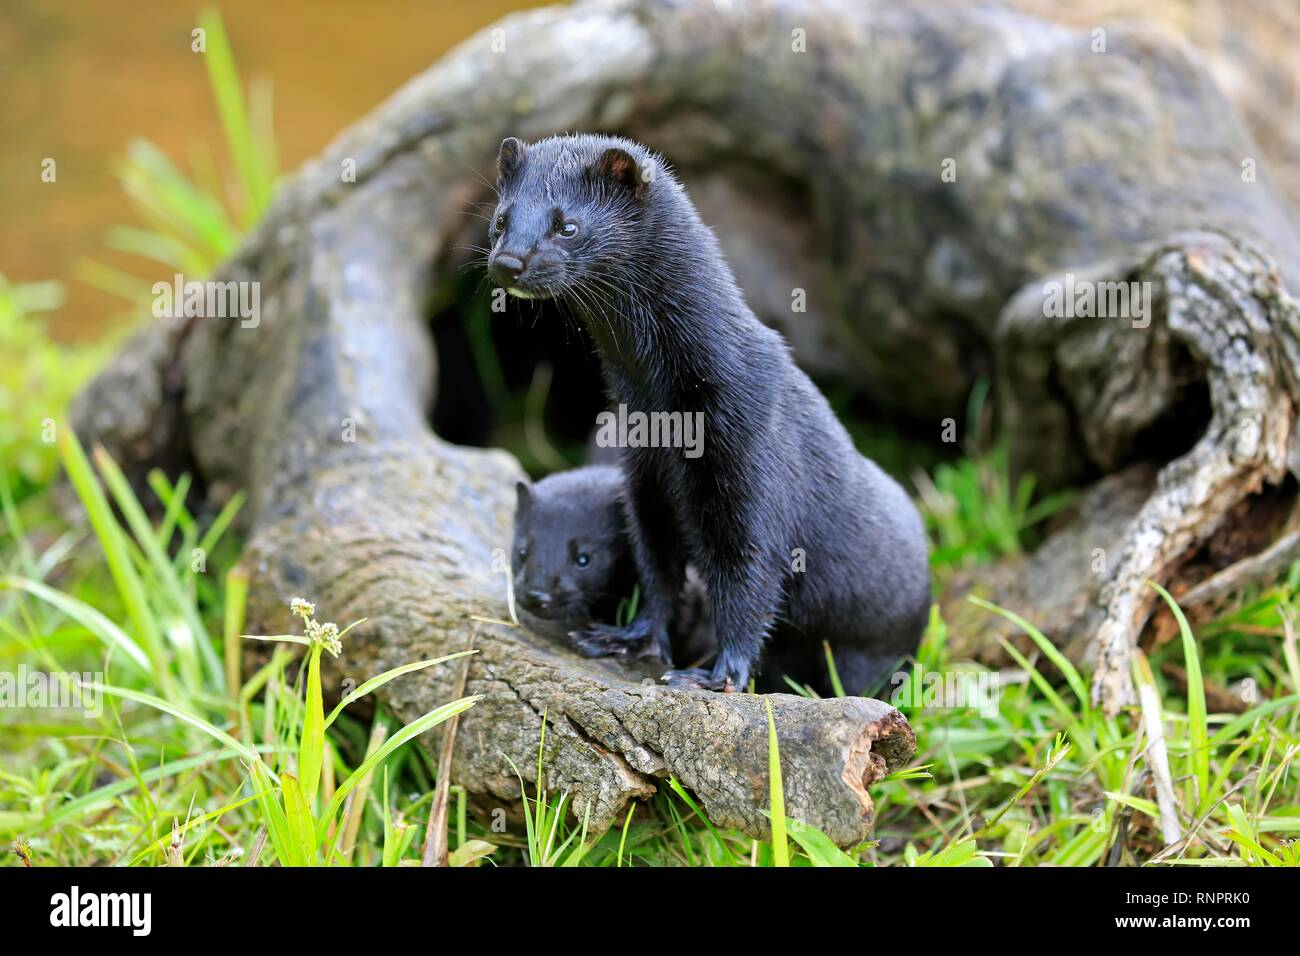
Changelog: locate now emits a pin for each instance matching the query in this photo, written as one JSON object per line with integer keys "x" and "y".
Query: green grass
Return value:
{"x": 190, "y": 763}
{"x": 1050, "y": 779}
{"x": 167, "y": 693}
{"x": 976, "y": 513}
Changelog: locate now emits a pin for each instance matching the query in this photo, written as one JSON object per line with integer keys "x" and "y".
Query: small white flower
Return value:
{"x": 326, "y": 635}
{"x": 302, "y": 608}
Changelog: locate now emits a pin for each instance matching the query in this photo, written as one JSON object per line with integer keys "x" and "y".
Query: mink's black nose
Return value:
{"x": 537, "y": 600}
{"x": 506, "y": 269}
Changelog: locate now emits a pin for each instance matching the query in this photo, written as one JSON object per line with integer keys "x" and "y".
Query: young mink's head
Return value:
{"x": 573, "y": 214}
{"x": 571, "y": 557}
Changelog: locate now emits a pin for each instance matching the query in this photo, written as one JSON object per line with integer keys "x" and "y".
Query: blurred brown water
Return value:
{"x": 80, "y": 78}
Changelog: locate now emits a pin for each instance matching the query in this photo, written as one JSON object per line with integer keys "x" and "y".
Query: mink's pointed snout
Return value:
{"x": 506, "y": 268}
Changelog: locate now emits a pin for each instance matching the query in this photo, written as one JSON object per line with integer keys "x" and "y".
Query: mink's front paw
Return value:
{"x": 699, "y": 678}
{"x": 605, "y": 640}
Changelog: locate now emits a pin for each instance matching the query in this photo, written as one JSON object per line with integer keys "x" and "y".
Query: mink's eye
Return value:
{"x": 582, "y": 560}
{"x": 500, "y": 222}
{"x": 522, "y": 554}
{"x": 568, "y": 230}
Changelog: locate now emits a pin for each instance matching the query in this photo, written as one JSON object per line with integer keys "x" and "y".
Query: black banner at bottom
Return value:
{"x": 130, "y": 906}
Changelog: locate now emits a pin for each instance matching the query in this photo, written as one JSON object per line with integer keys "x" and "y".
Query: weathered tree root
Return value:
{"x": 1223, "y": 304}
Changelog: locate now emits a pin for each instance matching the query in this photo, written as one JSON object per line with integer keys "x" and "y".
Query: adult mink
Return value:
{"x": 799, "y": 539}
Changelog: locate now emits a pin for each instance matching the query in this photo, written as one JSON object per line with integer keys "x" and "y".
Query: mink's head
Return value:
{"x": 571, "y": 558}
{"x": 571, "y": 213}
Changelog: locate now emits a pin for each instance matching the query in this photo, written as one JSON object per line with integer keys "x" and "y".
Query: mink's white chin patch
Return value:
{"x": 521, "y": 293}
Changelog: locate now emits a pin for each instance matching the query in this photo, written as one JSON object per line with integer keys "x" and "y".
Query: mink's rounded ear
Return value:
{"x": 523, "y": 497}
{"x": 621, "y": 168}
{"x": 509, "y": 159}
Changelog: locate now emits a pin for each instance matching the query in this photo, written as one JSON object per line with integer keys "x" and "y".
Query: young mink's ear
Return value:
{"x": 509, "y": 159}
{"x": 621, "y": 168}
{"x": 523, "y": 497}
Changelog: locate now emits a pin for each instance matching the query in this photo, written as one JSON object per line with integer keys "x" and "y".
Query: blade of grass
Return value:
{"x": 273, "y": 816}
{"x": 164, "y": 571}
{"x": 530, "y": 831}
{"x": 821, "y": 850}
{"x": 229, "y": 94}
{"x": 678, "y": 789}
{"x": 1082, "y": 739}
{"x": 232, "y": 624}
{"x": 221, "y": 522}
{"x": 85, "y": 615}
{"x": 576, "y": 855}
{"x": 376, "y": 682}
{"x": 780, "y": 848}
{"x": 437, "y": 849}
{"x": 248, "y": 753}
{"x": 1157, "y": 755}
{"x": 837, "y": 687}
{"x": 357, "y": 809}
{"x": 175, "y": 505}
{"x": 622, "y": 840}
{"x": 311, "y": 745}
{"x": 1198, "y": 742}
{"x": 112, "y": 542}
{"x": 1050, "y": 650}
{"x": 297, "y": 811}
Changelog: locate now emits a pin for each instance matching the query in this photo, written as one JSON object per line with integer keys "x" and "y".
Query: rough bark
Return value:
{"x": 826, "y": 169}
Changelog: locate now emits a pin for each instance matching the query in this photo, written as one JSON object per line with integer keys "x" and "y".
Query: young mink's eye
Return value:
{"x": 569, "y": 230}
{"x": 582, "y": 560}
{"x": 500, "y": 222}
{"x": 522, "y": 554}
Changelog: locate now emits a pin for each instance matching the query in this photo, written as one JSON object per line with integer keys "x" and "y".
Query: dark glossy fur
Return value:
{"x": 778, "y": 475}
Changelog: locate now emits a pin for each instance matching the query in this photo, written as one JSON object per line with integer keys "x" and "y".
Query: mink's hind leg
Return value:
{"x": 744, "y": 602}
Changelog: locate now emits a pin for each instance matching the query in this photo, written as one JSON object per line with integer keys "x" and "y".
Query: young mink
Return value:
{"x": 799, "y": 539}
{"x": 572, "y": 561}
